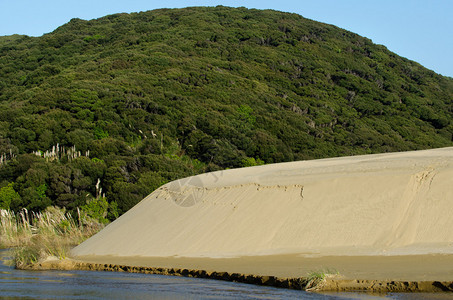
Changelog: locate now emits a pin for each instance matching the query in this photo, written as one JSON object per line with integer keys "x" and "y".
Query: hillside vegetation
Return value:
{"x": 107, "y": 110}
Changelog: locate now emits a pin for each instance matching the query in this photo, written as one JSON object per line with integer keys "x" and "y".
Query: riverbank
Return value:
{"x": 75, "y": 284}
{"x": 337, "y": 283}
{"x": 400, "y": 268}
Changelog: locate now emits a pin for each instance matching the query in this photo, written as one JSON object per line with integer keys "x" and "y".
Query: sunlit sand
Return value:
{"x": 369, "y": 217}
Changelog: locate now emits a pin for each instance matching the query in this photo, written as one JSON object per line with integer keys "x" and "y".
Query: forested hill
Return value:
{"x": 131, "y": 101}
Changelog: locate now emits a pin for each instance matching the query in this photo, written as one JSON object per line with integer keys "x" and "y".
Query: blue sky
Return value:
{"x": 420, "y": 30}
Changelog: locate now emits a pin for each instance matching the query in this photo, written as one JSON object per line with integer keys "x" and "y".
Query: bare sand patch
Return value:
{"x": 399, "y": 268}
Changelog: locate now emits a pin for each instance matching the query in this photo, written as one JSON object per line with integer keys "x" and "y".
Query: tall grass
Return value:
{"x": 36, "y": 236}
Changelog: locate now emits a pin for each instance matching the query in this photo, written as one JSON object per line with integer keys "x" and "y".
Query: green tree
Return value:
{"x": 8, "y": 196}
{"x": 97, "y": 208}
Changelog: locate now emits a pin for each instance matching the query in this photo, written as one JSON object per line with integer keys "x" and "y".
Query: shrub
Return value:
{"x": 7, "y": 196}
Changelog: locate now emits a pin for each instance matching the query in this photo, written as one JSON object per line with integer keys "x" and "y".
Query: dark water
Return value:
{"x": 18, "y": 284}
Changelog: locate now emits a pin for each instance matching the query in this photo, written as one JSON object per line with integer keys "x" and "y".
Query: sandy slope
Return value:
{"x": 385, "y": 204}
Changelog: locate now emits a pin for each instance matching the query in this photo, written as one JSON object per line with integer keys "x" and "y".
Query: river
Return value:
{"x": 20, "y": 284}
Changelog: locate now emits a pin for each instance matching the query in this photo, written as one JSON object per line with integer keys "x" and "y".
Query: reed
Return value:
{"x": 36, "y": 236}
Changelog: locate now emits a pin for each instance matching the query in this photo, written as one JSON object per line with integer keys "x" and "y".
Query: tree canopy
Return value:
{"x": 136, "y": 100}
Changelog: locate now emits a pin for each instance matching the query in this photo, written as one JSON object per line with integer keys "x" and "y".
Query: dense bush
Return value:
{"x": 136, "y": 100}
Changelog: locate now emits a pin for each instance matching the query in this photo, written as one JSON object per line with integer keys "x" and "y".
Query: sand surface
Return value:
{"x": 360, "y": 215}
{"x": 401, "y": 268}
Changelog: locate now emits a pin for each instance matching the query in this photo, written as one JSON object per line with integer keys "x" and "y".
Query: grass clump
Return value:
{"x": 316, "y": 279}
{"x": 37, "y": 236}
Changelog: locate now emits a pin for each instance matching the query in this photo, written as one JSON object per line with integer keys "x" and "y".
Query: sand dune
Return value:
{"x": 397, "y": 203}
{"x": 385, "y": 204}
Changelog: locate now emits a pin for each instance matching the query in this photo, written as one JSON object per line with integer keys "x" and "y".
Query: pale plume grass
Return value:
{"x": 36, "y": 236}
{"x": 5, "y": 157}
{"x": 58, "y": 152}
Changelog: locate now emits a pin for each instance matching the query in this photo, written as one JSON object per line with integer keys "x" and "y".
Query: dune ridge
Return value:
{"x": 382, "y": 204}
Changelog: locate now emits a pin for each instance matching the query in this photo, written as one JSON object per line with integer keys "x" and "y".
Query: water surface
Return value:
{"x": 110, "y": 285}
{"x": 20, "y": 284}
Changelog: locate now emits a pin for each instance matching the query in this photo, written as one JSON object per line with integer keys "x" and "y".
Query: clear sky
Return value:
{"x": 420, "y": 30}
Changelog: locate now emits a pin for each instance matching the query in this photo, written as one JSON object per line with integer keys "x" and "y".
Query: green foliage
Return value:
{"x": 97, "y": 209}
{"x": 7, "y": 196}
{"x": 245, "y": 114}
{"x": 112, "y": 212}
{"x": 250, "y": 162}
{"x": 150, "y": 97}
{"x": 99, "y": 133}
{"x": 315, "y": 279}
{"x": 93, "y": 37}
{"x": 36, "y": 197}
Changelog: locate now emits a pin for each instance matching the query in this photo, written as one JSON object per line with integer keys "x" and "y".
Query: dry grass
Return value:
{"x": 36, "y": 236}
